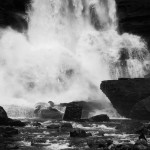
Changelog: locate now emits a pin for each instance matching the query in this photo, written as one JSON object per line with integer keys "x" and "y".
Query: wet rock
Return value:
{"x": 125, "y": 93}
{"x": 99, "y": 143}
{"x": 73, "y": 112}
{"x": 51, "y": 104}
{"x": 140, "y": 147}
{"x": 8, "y": 131}
{"x": 36, "y": 124}
{"x": 66, "y": 126}
{"x": 99, "y": 118}
{"x": 50, "y": 113}
{"x": 124, "y": 147}
{"x": 53, "y": 126}
{"x": 141, "y": 142}
{"x": 79, "y": 133}
{"x": 87, "y": 106}
{"x": 47, "y": 111}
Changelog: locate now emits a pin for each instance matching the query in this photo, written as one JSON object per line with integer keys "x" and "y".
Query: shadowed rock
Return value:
{"x": 99, "y": 118}
{"x": 79, "y": 133}
{"x": 125, "y": 94}
{"x": 47, "y": 111}
{"x": 73, "y": 112}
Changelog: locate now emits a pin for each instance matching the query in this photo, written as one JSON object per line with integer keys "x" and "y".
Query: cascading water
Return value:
{"x": 68, "y": 49}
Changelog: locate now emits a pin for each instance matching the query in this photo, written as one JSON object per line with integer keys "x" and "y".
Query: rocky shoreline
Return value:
{"x": 94, "y": 133}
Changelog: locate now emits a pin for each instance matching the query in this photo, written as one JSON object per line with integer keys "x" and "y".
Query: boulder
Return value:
{"x": 73, "y": 112}
{"x": 50, "y": 113}
{"x": 97, "y": 143}
{"x": 66, "y": 126}
{"x": 99, "y": 118}
{"x": 47, "y": 111}
{"x": 87, "y": 106}
{"x": 79, "y": 133}
{"x": 36, "y": 124}
{"x": 124, "y": 147}
{"x": 53, "y": 126}
{"x": 140, "y": 147}
{"x": 141, "y": 142}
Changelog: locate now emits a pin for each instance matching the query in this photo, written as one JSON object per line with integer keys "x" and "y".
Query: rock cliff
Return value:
{"x": 125, "y": 95}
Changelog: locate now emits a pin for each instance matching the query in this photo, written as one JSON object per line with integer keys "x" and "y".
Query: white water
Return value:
{"x": 64, "y": 55}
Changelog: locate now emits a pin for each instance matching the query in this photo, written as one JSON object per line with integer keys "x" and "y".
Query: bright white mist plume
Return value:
{"x": 69, "y": 48}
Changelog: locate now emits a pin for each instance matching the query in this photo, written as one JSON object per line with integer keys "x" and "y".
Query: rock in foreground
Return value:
{"x": 125, "y": 94}
{"x": 73, "y": 112}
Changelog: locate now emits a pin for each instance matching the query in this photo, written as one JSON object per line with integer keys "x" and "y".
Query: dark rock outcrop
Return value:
{"x": 99, "y": 143}
{"x": 60, "y": 127}
{"x": 88, "y": 106}
{"x": 53, "y": 126}
{"x": 99, "y": 118}
{"x": 73, "y": 112}
{"x": 66, "y": 126}
{"x": 79, "y": 133}
{"x": 124, "y": 94}
{"x": 46, "y": 111}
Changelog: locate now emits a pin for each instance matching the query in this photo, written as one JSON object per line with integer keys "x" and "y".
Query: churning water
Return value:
{"x": 68, "y": 49}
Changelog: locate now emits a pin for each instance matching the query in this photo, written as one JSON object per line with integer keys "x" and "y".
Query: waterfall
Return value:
{"x": 68, "y": 49}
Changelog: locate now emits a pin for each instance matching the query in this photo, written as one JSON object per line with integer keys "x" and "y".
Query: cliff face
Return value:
{"x": 124, "y": 94}
{"x": 13, "y": 13}
{"x": 134, "y": 17}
